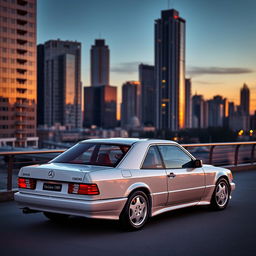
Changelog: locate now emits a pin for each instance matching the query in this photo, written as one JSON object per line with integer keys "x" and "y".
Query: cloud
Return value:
{"x": 196, "y": 71}
{"x": 126, "y": 67}
{"x": 205, "y": 82}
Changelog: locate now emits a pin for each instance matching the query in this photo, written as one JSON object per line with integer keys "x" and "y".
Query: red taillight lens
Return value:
{"x": 83, "y": 189}
{"x": 26, "y": 183}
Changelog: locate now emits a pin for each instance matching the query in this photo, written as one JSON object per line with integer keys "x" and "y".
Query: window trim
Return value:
{"x": 160, "y": 156}
{"x": 182, "y": 149}
{"x": 163, "y": 164}
{"x": 98, "y": 144}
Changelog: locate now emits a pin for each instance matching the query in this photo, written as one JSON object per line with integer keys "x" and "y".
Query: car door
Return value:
{"x": 153, "y": 173}
{"x": 185, "y": 184}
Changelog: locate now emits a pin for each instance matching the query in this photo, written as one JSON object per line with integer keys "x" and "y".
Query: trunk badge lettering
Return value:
{"x": 76, "y": 178}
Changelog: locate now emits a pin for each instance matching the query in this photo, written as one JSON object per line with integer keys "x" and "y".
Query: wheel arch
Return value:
{"x": 141, "y": 187}
{"x": 223, "y": 176}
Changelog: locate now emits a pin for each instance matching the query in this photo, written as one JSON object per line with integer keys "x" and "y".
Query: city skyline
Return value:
{"x": 217, "y": 64}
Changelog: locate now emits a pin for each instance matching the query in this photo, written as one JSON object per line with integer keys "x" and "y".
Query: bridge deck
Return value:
{"x": 192, "y": 231}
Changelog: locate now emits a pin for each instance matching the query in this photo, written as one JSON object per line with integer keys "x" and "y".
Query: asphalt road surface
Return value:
{"x": 192, "y": 231}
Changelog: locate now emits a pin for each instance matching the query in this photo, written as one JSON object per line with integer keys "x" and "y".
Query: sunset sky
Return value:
{"x": 220, "y": 38}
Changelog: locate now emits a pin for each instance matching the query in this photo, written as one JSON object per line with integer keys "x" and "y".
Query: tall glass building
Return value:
{"x": 60, "y": 83}
{"x": 100, "y": 105}
{"x": 170, "y": 70}
{"x": 131, "y": 103}
{"x": 188, "y": 104}
{"x": 148, "y": 94}
{"x": 99, "y": 63}
{"x": 18, "y": 73}
{"x": 245, "y": 100}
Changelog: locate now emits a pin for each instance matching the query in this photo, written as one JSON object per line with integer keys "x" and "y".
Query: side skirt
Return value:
{"x": 175, "y": 207}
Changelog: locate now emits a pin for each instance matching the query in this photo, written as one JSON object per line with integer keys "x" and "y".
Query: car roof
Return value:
{"x": 128, "y": 141}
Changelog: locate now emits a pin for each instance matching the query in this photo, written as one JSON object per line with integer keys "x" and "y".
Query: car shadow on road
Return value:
{"x": 80, "y": 225}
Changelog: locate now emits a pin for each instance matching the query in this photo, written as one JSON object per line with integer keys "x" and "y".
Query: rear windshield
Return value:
{"x": 93, "y": 154}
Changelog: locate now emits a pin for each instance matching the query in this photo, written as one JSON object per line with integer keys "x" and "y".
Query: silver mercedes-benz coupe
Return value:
{"x": 123, "y": 179}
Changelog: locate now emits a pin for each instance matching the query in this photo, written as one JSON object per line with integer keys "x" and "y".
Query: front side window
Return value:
{"x": 93, "y": 154}
{"x": 152, "y": 159}
{"x": 174, "y": 157}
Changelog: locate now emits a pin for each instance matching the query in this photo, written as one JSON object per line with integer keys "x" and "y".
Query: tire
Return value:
{"x": 221, "y": 195}
{"x": 136, "y": 211}
{"x": 56, "y": 217}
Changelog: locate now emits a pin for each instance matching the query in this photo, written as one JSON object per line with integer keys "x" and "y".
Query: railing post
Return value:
{"x": 252, "y": 153}
{"x": 211, "y": 154}
{"x": 236, "y": 155}
{"x": 9, "y": 172}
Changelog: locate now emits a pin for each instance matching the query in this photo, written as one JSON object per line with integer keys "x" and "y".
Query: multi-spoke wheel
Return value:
{"x": 136, "y": 211}
{"x": 221, "y": 194}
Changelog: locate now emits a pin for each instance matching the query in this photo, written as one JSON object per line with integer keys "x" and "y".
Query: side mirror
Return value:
{"x": 197, "y": 163}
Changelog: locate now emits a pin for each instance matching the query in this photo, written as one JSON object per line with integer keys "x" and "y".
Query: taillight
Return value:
{"x": 26, "y": 183}
{"x": 83, "y": 189}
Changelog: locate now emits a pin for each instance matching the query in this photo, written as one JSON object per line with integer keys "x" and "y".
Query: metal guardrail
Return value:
{"x": 10, "y": 161}
{"x": 10, "y": 156}
{"x": 236, "y": 144}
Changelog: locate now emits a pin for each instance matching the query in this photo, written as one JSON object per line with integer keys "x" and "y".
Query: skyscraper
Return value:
{"x": 198, "y": 111}
{"x": 40, "y": 84}
{"x": 131, "y": 103}
{"x": 62, "y": 83}
{"x": 18, "y": 73}
{"x": 170, "y": 70}
{"x": 100, "y": 106}
{"x": 99, "y": 63}
{"x": 245, "y": 100}
{"x": 148, "y": 94}
{"x": 216, "y": 111}
{"x": 188, "y": 106}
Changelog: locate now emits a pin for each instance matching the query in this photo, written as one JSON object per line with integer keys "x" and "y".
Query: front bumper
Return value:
{"x": 100, "y": 209}
{"x": 232, "y": 186}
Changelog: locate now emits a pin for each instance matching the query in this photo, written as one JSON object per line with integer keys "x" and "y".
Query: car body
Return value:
{"x": 98, "y": 178}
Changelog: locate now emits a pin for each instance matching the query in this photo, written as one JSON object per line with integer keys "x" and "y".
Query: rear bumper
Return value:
{"x": 101, "y": 209}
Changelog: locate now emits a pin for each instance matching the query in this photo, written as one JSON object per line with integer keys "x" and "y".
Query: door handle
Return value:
{"x": 171, "y": 175}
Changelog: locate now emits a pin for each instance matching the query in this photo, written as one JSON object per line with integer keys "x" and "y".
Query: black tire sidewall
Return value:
{"x": 214, "y": 203}
{"x": 124, "y": 217}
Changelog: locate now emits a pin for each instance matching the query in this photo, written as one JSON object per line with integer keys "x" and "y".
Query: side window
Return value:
{"x": 174, "y": 157}
{"x": 152, "y": 159}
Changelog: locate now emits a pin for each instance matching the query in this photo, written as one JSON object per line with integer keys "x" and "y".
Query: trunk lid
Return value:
{"x": 59, "y": 172}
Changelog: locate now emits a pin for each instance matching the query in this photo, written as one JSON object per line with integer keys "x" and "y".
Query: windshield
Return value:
{"x": 93, "y": 154}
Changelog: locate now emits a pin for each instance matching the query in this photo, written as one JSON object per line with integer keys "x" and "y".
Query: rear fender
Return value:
{"x": 136, "y": 186}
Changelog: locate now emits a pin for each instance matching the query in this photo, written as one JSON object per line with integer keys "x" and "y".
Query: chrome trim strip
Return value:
{"x": 159, "y": 193}
{"x": 180, "y": 190}
{"x": 187, "y": 189}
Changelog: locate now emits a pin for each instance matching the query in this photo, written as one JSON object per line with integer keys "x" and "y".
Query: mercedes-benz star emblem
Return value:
{"x": 51, "y": 174}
